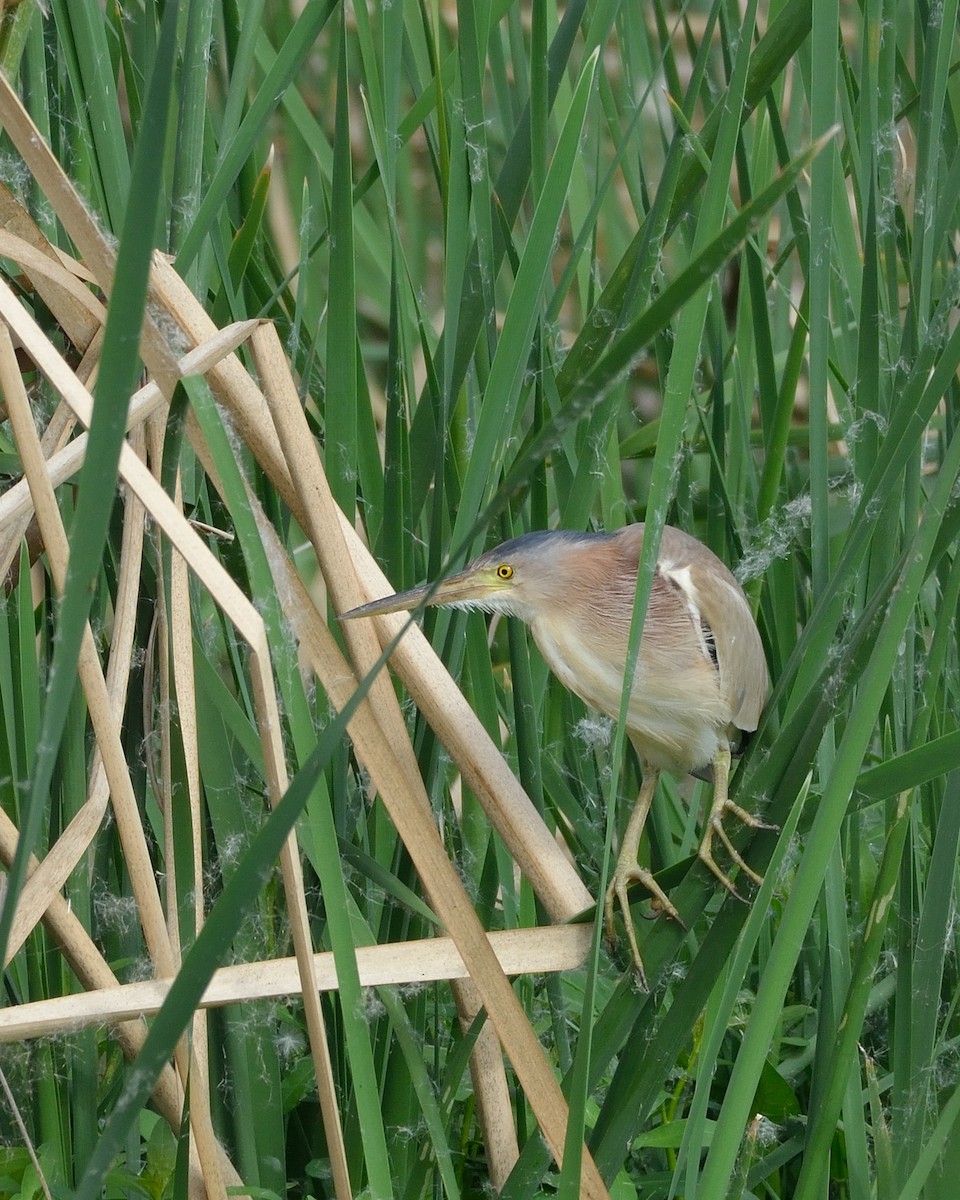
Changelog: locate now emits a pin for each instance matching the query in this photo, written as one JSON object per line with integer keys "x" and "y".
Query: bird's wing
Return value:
{"x": 714, "y": 598}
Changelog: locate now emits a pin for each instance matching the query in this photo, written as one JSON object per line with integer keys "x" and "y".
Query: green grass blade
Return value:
{"x": 285, "y": 67}
{"x": 799, "y": 908}
{"x": 510, "y": 360}
{"x": 341, "y": 394}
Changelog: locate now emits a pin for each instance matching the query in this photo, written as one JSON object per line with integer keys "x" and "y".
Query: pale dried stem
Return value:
{"x": 71, "y": 846}
{"x": 323, "y": 529}
{"x": 519, "y": 952}
{"x": 58, "y": 281}
{"x": 175, "y": 643}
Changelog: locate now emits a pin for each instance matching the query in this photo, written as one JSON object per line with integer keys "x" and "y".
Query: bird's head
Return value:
{"x": 526, "y": 577}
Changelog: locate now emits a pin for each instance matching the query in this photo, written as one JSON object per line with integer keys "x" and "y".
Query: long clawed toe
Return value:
{"x": 628, "y": 870}
{"x": 617, "y": 892}
{"x": 715, "y": 829}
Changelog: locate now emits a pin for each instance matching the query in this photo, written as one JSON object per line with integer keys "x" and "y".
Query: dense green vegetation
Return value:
{"x": 530, "y": 268}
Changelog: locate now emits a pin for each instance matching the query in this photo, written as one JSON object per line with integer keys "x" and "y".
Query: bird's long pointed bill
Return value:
{"x": 458, "y": 589}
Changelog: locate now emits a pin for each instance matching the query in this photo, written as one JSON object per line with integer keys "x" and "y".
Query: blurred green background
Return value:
{"x": 538, "y": 267}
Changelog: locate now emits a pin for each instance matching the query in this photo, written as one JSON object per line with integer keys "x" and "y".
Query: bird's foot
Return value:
{"x": 624, "y": 875}
{"x": 715, "y": 829}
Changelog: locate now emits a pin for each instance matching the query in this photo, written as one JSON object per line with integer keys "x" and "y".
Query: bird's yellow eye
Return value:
{"x": 504, "y": 571}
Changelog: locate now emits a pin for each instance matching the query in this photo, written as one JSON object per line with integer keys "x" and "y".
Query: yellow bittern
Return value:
{"x": 700, "y": 682}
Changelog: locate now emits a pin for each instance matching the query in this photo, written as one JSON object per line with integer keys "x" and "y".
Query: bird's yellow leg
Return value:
{"x": 628, "y": 871}
{"x": 714, "y": 826}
